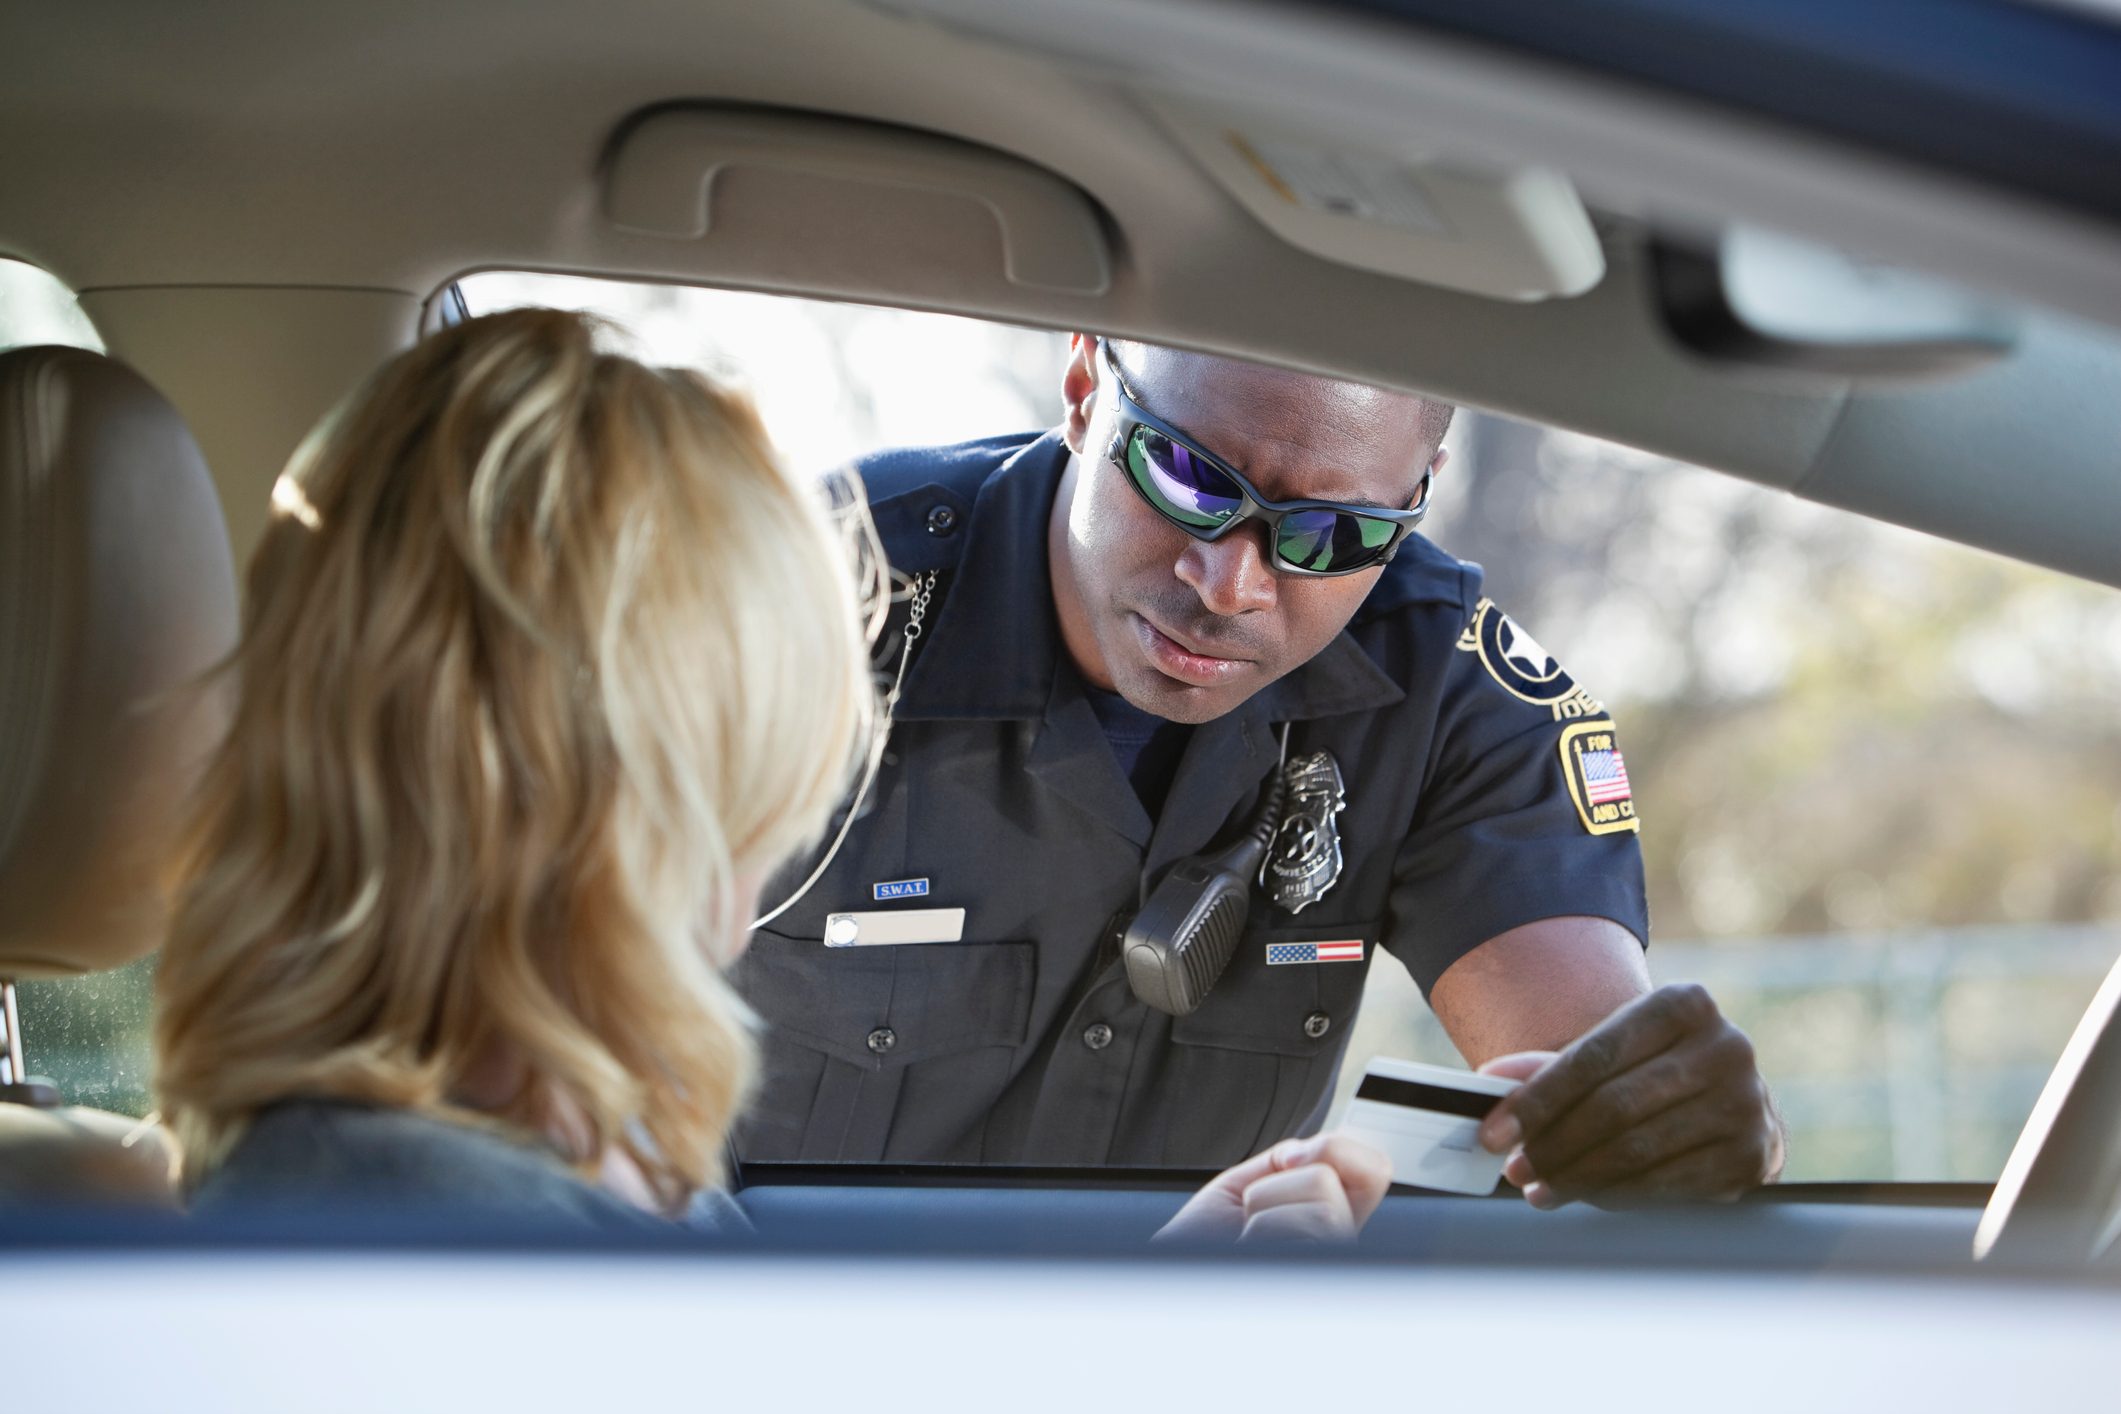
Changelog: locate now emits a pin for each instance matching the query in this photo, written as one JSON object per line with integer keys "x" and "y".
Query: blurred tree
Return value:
{"x": 1831, "y": 724}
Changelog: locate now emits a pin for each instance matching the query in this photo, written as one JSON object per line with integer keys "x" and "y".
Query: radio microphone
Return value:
{"x": 1176, "y": 948}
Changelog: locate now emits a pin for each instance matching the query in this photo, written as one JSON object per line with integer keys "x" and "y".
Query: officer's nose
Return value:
{"x": 1231, "y": 575}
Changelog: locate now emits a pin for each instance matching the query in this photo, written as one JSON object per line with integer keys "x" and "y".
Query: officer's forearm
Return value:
{"x": 1539, "y": 986}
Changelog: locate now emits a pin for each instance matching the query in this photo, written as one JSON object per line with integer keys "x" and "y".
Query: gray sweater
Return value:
{"x": 336, "y": 1156}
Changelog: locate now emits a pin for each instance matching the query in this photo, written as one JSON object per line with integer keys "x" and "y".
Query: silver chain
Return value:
{"x": 923, "y": 587}
{"x": 920, "y": 590}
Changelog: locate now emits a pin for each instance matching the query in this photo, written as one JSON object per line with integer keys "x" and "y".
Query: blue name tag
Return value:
{"x": 903, "y": 888}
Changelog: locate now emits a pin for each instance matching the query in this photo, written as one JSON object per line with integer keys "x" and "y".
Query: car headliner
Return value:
{"x": 255, "y": 200}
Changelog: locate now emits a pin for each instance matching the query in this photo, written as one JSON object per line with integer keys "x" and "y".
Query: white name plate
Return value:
{"x": 894, "y": 927}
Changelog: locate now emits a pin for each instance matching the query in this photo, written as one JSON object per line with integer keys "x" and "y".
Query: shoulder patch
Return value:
{"x": 1521, "y": 667}
{"x": 1598, "y": 778}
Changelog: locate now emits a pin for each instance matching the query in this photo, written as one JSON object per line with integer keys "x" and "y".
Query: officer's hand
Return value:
{"x": 1662, "y": 1100}
{"x": 1323, "y": 1188}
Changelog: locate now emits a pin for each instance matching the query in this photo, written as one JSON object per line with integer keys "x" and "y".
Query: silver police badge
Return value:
{"x": 1305, "y": 860}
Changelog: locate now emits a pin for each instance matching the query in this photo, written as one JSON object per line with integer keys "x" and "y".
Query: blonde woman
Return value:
{"x": 546, "y": 664}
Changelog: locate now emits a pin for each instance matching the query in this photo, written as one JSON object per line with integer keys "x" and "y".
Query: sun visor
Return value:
{"x": 1514, "y": 235}
{"x": 764, "y": 186}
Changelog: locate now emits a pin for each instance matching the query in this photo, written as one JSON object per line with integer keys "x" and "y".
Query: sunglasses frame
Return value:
{"x": 1253, "y": 506}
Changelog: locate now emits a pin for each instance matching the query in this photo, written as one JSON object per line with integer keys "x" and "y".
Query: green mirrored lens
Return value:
{"x": 1178, "y": 483}
{"x": 1325, "y": 541}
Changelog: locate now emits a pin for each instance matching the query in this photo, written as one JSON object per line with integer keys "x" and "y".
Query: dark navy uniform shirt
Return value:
{"x": 1484, "y": 790}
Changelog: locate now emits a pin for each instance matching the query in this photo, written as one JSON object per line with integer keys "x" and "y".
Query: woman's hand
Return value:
{"x": 1319, "y": 1189}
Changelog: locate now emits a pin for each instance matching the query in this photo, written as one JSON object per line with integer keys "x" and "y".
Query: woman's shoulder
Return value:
{"x": 335, "y": 1156}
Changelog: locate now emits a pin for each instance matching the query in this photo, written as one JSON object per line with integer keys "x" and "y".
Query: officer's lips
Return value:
{"x": 1174, "y": 659}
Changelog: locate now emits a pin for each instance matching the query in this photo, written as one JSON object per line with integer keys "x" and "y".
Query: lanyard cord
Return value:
{"x": 921, "y": 589}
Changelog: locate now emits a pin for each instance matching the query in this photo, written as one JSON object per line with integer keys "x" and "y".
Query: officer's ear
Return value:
{"x": 1079, "y": 391}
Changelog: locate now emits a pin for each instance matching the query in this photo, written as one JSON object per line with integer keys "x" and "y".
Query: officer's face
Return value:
{"x": 1181, "y": 627}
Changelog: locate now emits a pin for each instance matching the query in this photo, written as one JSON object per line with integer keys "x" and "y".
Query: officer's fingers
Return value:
{"x": 1623, "y": 1103}
{"x": 1307, "y": 1202}
{"x": 1364, "y": 1171}
{"x": 1636, "y": 1151}
{"x": 1518, "y": 1065}
{"x": 1718, "y": 1172}
{"x": 1631, "y": 1035}
{"x": 1713, "y": 1073}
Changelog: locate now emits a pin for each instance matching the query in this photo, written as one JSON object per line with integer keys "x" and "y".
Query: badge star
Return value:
{"x": 1523, "y": 649}
{"x": 1302, "y": 842}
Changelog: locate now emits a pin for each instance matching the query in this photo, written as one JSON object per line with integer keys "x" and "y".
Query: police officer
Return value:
{"x": 1121, "y": 636}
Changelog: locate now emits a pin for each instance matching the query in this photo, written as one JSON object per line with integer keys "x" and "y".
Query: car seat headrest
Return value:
{"x": 117, "y": 595}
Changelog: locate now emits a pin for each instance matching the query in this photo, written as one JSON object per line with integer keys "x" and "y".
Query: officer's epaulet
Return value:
{"x": 921, "y": 497}
{"x": 1422, "y": 573}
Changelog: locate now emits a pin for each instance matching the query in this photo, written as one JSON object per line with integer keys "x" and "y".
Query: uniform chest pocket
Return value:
{"x": 846, "y": 1027}
{"x": 1289, "y": 991}
{"x": 882, "y": 1007}
{"x": 1258, "y": 1057}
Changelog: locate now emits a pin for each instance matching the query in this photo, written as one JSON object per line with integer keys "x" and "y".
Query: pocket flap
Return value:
{"x": 883, "y": 1007}
{"x": 1286, "y": 1009}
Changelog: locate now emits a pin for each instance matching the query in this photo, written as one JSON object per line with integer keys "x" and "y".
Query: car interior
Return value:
{"x": 1834, "y": 257}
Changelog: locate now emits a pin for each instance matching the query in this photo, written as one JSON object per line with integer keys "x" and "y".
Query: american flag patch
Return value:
{"x": 1605, "y": 776}
{"x": 1348, "y": 950}
{"x": 1598, "y": 778}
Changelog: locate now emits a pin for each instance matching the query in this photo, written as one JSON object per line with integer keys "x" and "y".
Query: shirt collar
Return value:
{"x": 984, "y": 662}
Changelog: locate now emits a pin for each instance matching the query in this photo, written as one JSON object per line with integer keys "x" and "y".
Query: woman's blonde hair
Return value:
{"x": 545, "y": 660}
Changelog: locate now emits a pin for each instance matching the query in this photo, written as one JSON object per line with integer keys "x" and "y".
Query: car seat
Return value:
{"x": 117, "y": 594}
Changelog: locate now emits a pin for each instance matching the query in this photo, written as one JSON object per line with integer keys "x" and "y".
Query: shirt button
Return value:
{"x": 882, "y": 1039}
{"x": 1097, "y": 1036}
{"x": 942, "y": 520}
{"x": 1317, "y": 1024}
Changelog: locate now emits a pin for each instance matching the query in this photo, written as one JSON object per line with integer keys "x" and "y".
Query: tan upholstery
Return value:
{"x": 76, "y": 1155}
{"x": 116, "y": 594}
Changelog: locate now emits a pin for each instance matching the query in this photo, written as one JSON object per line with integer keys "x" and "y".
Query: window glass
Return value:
{"x": 36, "y": 309}
{"x": 88, "y": 1035}
{"x": 1878, "y": 773}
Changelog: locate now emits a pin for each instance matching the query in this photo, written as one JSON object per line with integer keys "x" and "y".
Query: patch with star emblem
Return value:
{"x": 1598, "y": 778}
{"x": 1516, "y": 661}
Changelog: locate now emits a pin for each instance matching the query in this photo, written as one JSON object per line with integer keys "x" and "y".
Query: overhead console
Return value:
{"x": 1508, "y": 234}
{"x": 771, "y": 189}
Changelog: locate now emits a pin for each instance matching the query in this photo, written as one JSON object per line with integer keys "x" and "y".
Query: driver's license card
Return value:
{"x": 1427, "y": 1119}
